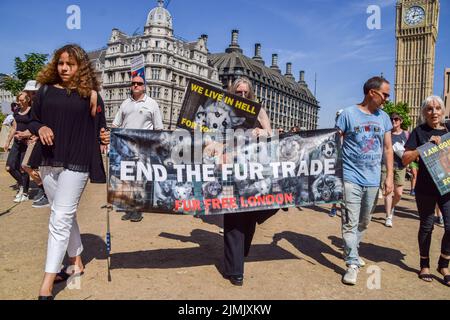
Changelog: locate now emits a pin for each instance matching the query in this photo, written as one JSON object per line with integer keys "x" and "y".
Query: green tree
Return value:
{"x": 2, "y": 117}
{"x": 24, "y": 70}
{"x": 402, "y": 109}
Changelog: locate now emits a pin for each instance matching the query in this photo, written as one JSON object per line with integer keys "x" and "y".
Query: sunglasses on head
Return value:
{"x": 137, "y": 83}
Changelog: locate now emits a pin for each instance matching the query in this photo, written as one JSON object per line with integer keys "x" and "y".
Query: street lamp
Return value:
{"x": 171, "y": 103}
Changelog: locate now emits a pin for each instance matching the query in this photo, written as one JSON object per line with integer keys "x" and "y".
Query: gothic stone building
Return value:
{"x": 169, "y": 63}
{"x": 287, "y": 101}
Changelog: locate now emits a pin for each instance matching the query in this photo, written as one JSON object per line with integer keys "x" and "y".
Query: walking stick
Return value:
{"x": 108, "y": 230}
{"x": 108, "y": 241}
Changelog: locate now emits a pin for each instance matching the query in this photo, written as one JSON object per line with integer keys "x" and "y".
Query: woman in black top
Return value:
{"x": 22, "y": 119}
{"x": 239, "y": 228}
{"x": 427, "y": 194}
{"x": 65, "y": 111}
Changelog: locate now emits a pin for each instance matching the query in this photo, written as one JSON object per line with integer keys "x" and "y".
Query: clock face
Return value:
{"x": 414, "y": 15}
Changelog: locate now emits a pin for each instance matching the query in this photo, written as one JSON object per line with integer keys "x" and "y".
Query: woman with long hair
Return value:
{"x": 427, "y": 194}
{"x": 65, "y": 120}
{"x": 239, "y": 228}
{"x": 22, "y": 119}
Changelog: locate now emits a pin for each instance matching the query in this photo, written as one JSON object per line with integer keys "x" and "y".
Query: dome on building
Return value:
{"x": 159, "y": 17}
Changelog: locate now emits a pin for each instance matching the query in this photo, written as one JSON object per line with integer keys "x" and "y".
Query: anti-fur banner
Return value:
{"x": 437, "y": 161}
{"x": 207, "y": 108}
{"x": 195, "y": 173}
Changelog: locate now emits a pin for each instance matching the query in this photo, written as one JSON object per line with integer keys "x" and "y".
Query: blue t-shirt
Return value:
{"x": 362, "y": 151}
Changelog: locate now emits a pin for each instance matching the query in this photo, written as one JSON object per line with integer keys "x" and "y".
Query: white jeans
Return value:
{"x": 63, "y": 189}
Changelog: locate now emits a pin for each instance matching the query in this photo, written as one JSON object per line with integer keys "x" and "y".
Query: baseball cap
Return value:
{"x": 31, "y": 85}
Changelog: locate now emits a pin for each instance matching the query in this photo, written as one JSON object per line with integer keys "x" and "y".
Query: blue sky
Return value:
{"x": 326, "y": 37}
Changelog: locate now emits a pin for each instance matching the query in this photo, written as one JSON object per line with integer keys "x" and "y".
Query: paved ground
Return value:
{"x": 296, "y": 255}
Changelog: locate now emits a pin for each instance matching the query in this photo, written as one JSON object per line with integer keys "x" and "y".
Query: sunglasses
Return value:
{"x": 137, "y": 84}
{"x": 396, "y": 119}
{"x": 385, "y": 96}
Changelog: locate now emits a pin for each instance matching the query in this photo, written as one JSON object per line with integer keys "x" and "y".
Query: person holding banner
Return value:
{"x": 239, "y": 228}
{"x": 138, "y": 112}
{"x": 366, "y": 131}
{"x": 64, "y": 117}
{"x": 427, "y": 193}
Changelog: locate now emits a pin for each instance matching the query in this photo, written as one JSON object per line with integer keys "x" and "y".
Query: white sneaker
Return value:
{"x": 351, "y": 275}
{"x": 22, "y": 198}
{"x": 361, "y": 262}
{"x": 388, "y": 222}
{"x": 19, "y": 194}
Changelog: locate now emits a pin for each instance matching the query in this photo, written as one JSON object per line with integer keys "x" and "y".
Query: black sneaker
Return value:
{"x": 136, "y": 217}
{"x": 127, "y": 216}
{"x": 42, "y": 203}
{"x": 39, "y": 195}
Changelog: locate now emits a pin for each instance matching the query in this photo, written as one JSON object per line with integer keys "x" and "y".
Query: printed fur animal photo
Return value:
{"x": 217, "y": 116}
{"x": 249, "y": 188}
{"x": 164, "y": 197}
{"x": 327, "y": 188}
{"x": 212, "y": 190}
{"x": 299, "y": 188}
{"x": 254, "y": 152}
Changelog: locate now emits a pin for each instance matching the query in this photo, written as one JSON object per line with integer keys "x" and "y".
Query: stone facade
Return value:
{"x": 169, "y": 63}
{"x": 416, "y": 33}
{"x": 288, "y": 102}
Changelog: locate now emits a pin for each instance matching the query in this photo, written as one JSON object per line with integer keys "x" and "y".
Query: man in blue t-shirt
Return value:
{"x": 366, "y": 130}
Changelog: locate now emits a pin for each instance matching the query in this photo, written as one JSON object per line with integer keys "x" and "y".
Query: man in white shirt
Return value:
{"x": 138, "y": 112}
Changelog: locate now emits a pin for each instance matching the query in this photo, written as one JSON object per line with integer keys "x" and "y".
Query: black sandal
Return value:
{"x": 425, "y": 263}
{"x": 64, "y": 276}
{"x": 443, "y": 264}
{"x": 45, "y": 298}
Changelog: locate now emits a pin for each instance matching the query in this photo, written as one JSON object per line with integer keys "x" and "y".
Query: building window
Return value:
{"x": 156, "y": 74}
{"x": 155, "y": 92}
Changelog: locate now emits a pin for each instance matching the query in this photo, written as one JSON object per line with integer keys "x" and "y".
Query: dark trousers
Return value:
{"x": 14, "y": 165}
{"x": 426, "y": 206}
{"x": 238, "y": 229}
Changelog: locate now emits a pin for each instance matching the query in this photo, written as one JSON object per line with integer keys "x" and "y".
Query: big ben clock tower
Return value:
{"x": 416, "y": 33}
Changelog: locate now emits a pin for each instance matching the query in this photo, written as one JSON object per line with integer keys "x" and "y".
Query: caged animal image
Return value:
{"x": 164, "y": 197}
{"x": 255, "y": 188}
{"x": 327, "y": 188}
{"x": 217, "y": 116}
{"x": 297, "y": 186}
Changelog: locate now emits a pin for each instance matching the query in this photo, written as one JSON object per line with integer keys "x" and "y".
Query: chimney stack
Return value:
{"x": 289, "y": 68}
{"x": 302, "y": 77}
{"x": 234, "y": 46}
{"x": 234, "y": 37}
{"x": 289, "y": 74}
{"x": 275, "y": 60}
{"x": 274, "y": 65}
{"x": 258, "y": 57}
{"x": 258, "y": 50}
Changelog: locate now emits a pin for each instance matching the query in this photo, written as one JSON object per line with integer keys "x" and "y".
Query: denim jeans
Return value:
{"x": 359, "y": 205}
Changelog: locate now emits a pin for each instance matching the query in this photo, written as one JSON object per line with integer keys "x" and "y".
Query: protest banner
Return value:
{"x": 194, "y": 173}
{"x": 437, "y": 161}
{"x": 207, "y": 108}
{"x": 138, "y": 67}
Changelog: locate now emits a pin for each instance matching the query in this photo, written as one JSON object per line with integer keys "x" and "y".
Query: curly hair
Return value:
{"x": 84, "y": 79}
